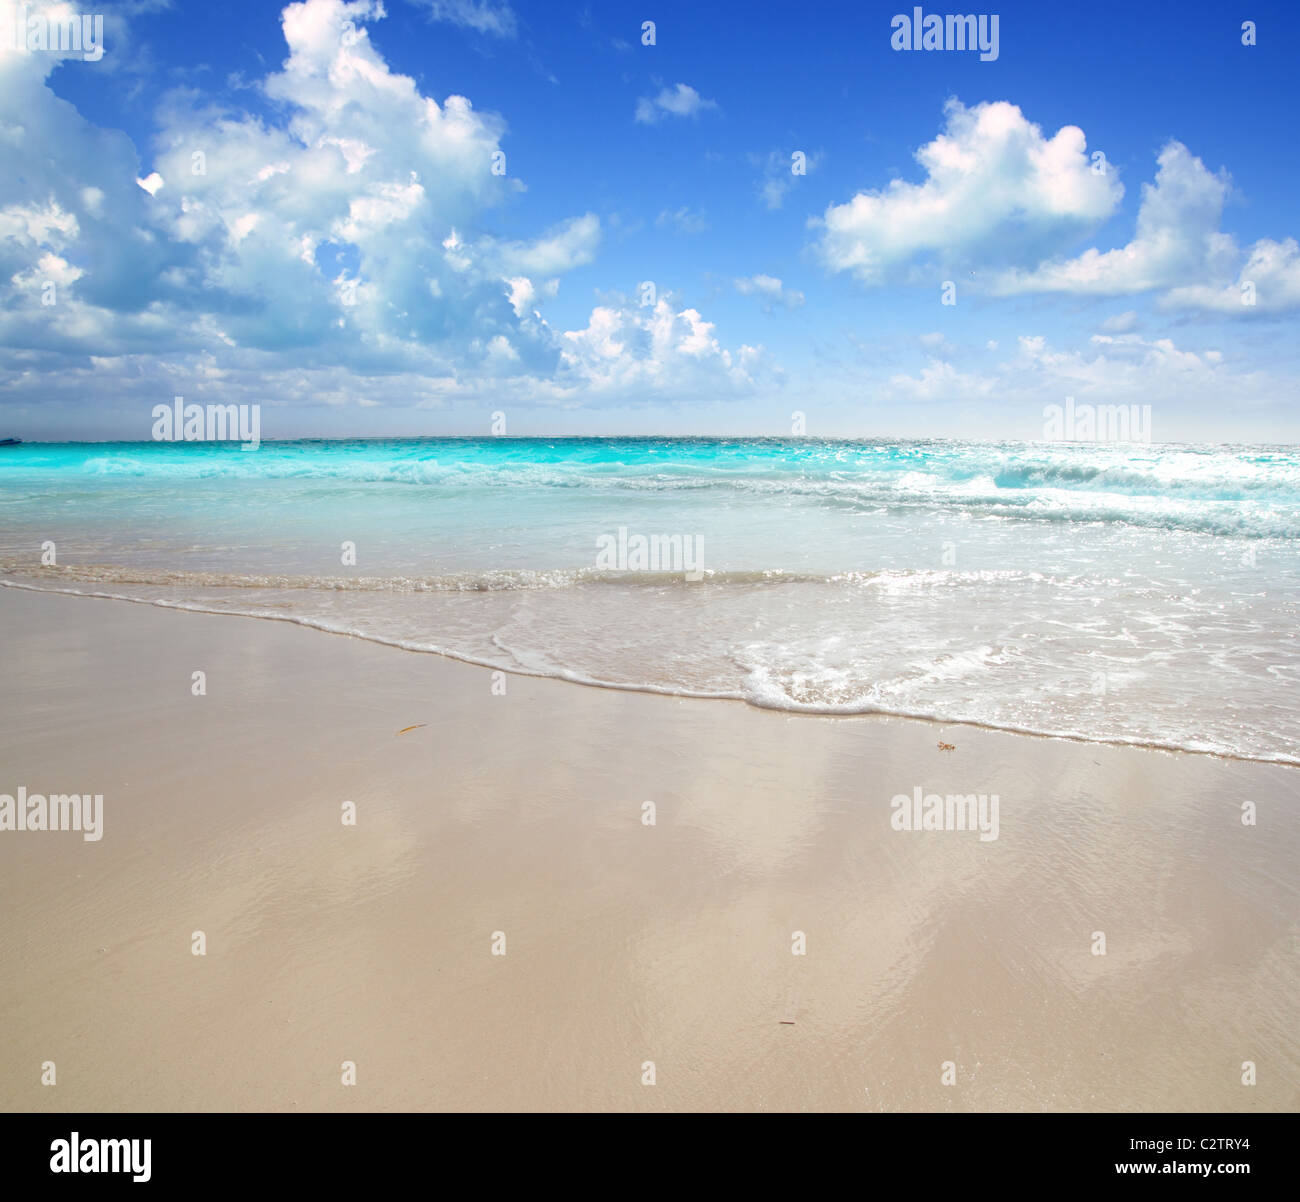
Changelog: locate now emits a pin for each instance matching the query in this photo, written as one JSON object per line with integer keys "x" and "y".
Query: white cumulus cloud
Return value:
{"x": 1178, "y": 251}
{"x": 996, "y": 189}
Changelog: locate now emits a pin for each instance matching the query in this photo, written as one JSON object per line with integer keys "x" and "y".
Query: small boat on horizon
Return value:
{"x": 10, "y": 442}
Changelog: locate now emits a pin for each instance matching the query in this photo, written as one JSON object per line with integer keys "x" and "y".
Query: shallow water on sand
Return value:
{"x": 1112, "y": 592}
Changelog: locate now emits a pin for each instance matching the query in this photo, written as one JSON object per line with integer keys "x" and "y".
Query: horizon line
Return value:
{"x": 809, "y": 438}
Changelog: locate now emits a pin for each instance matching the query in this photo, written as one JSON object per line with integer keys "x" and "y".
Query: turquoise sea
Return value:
{"x": 1137, "y": 593}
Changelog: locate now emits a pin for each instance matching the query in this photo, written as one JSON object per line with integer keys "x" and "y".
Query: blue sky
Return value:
{"x": 401, "y": 218}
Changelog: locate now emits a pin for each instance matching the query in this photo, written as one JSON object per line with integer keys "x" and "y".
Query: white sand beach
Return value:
{"x": 625, "y": 944}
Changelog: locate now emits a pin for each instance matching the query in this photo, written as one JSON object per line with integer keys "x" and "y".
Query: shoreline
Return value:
{"x": 523, "y": 813}
{"x": 658, "y": 690}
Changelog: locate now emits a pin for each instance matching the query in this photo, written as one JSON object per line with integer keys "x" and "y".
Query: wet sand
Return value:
{"x": 626, "y": 943}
